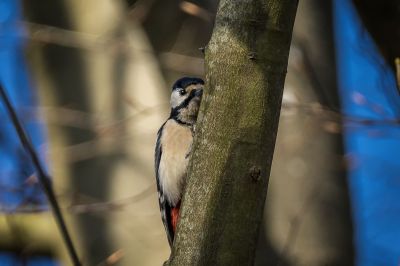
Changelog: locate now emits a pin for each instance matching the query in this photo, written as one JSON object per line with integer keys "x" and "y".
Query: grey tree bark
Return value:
{"x": 246, "y": 63}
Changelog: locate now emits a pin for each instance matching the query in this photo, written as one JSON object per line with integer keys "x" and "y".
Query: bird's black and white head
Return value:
{"x": 185, "y": 100}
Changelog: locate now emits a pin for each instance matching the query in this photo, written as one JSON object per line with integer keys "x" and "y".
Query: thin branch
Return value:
{"x": 196, "y": 11}
{"x": 113, "y": 259}
{"x": 112, "y": 205}
{"x": 42, "y": 176}
{"x": 141, "y": 10}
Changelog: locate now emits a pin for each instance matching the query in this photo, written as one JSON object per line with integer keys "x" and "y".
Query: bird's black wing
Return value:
{"x": 165, "y": 207}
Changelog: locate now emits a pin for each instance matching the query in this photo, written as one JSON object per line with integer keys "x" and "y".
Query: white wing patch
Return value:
{"x": 176, "y": 141}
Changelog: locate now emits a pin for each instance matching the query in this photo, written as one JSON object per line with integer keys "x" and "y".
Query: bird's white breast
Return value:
{"x": 176, "y": 141}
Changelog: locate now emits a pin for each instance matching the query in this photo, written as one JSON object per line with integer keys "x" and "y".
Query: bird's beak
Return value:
{"x": 198, "y": 92}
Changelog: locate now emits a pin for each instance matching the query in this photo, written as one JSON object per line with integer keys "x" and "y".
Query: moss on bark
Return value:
{"x": 246, "y": 63}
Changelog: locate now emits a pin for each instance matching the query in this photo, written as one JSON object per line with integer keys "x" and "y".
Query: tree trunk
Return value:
{"x": 246, "y": 63}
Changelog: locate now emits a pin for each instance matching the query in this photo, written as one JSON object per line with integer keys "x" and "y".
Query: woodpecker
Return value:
{"x": 173, "y": 148}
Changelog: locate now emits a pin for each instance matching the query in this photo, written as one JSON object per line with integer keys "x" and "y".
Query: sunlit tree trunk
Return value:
{"x": 246, "y": 63}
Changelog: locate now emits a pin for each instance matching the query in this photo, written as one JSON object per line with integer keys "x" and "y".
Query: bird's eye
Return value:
{"x": 182, "y": 91}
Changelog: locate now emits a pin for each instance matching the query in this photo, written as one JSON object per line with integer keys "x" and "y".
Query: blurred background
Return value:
{"x": 91, "y": 82}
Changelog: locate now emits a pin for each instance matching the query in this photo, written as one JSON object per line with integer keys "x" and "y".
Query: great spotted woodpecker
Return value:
{"x": 173, "y": 147}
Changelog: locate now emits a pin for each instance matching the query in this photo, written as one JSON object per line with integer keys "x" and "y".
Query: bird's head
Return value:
{"x": 185, "y": 99}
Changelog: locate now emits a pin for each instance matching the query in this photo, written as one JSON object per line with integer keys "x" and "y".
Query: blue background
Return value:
{"x": 15, "y": 166}
{"x": 370, "y": 102}
{"x": 368, "y": 91}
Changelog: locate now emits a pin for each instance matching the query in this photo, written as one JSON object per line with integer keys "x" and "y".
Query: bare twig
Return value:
{"x": 141, "y": 9}
{"x": 114, "y": 258}
{"x": 112, "y": 205}
{"x": 42, "y": 176}
{"x": 197, "y": 11}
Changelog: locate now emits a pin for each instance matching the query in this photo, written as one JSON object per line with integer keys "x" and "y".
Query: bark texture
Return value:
{"x": 246, "y": 63}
